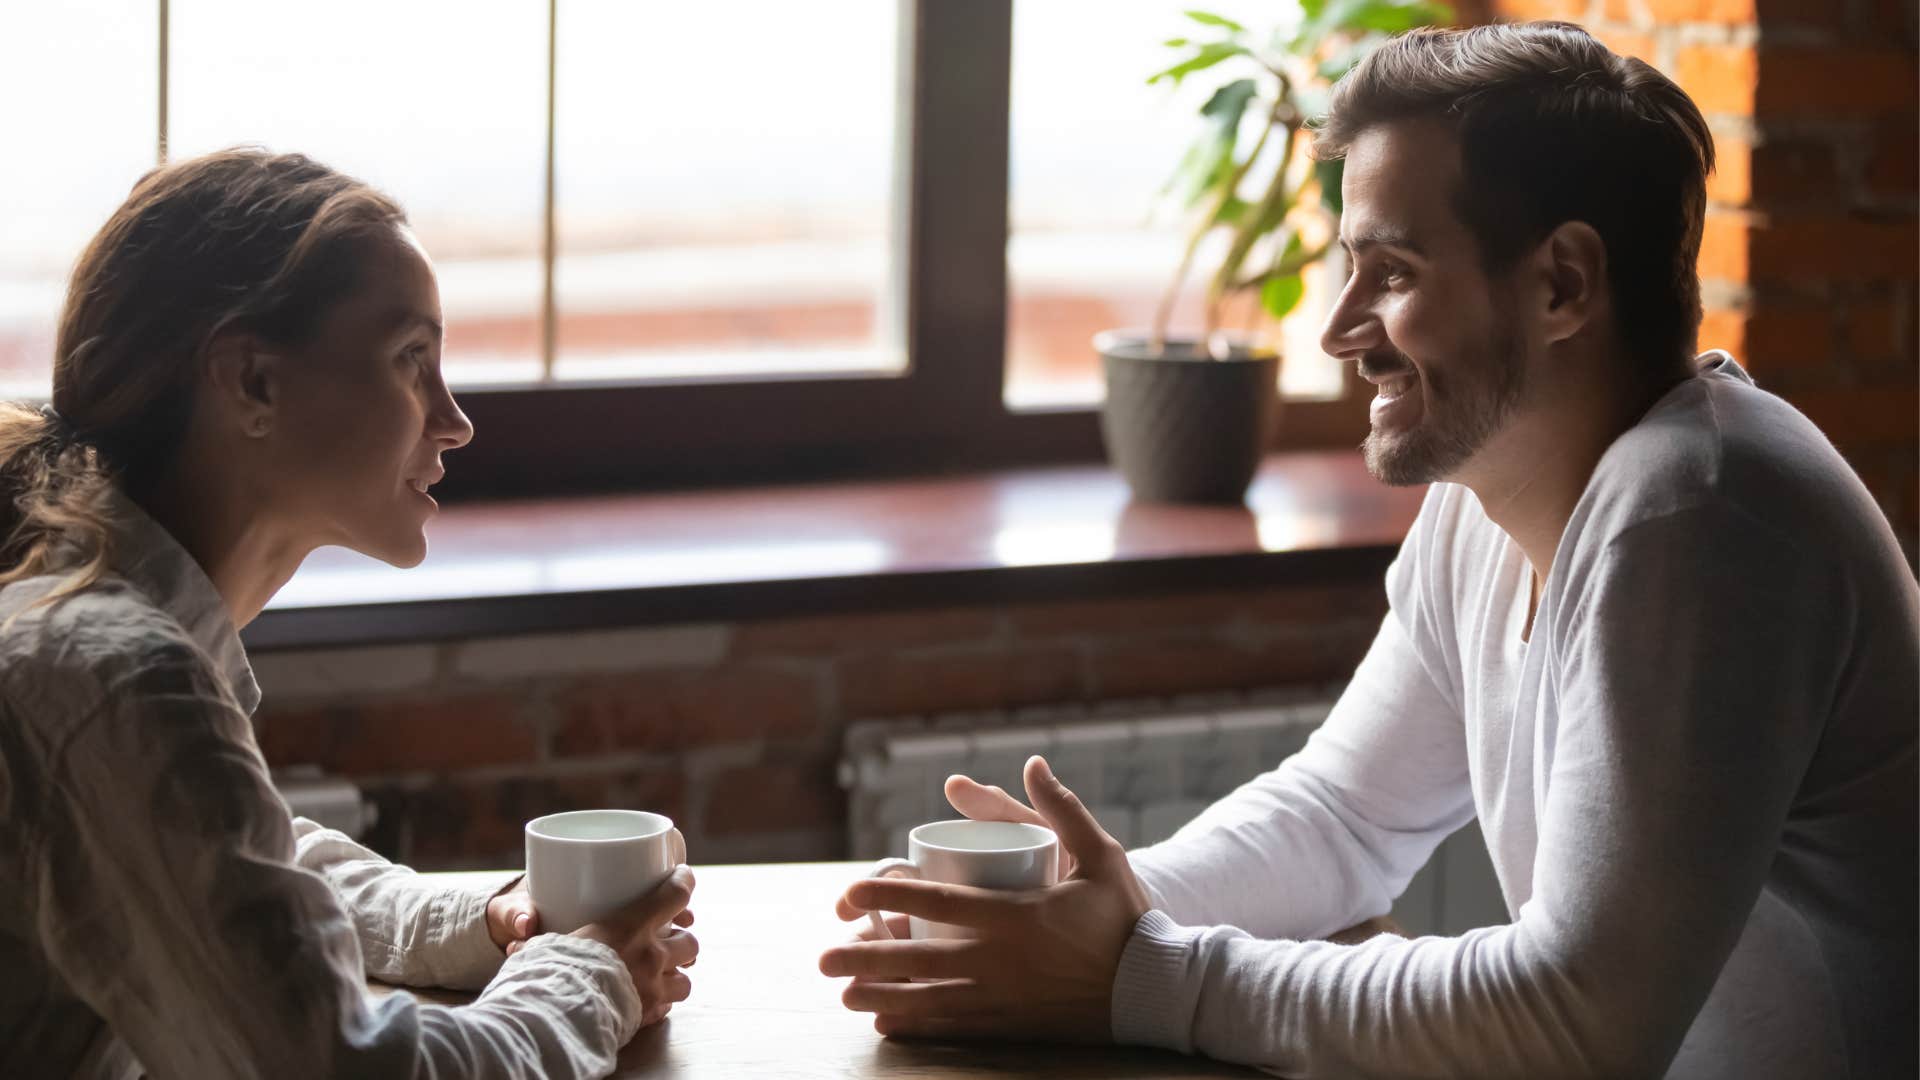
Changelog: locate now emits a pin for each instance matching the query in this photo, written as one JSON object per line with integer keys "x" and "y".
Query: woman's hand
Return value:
{"x": 651, "y": 937}
{"x": 510, "y": 915}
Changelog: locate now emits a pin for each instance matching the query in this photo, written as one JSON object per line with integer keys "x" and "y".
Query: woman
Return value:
{"x": 248, "y": 367}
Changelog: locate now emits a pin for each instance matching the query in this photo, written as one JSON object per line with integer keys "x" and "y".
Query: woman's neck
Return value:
{"x": 236, "y": 544}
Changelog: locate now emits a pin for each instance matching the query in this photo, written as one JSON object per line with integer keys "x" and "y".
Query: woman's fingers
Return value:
{"x": 681, "y": 947}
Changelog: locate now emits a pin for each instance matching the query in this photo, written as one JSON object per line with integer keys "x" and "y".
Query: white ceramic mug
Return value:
{"x": 586, "y": 864}
{"x": 985, "y": 854}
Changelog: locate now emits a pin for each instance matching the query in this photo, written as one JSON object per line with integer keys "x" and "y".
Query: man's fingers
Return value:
{"x": 685, "y": 918}
{"x": 677, "y": 986}
{"x": 960, "y": 905}
{"x": 950, "y": 997}
{"x": 983, "y": 802}
{"x": 937, "y": 958}
{"x": 1079, "y": 833}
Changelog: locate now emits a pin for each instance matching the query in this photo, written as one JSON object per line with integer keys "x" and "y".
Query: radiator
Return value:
{"x": 1144, "y": 771}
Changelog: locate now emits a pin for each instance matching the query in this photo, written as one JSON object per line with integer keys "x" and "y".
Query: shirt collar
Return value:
{"x": 151, "y": 560}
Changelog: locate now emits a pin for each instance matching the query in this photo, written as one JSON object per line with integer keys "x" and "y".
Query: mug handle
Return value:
{"x": 889, "y": 868}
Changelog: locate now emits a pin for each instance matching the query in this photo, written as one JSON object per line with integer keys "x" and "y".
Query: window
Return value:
{"x": 677, "y": 244}
{"x": 1091, "y": 245}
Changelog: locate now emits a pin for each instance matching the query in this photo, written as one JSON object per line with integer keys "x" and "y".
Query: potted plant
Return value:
{"x": 1187, "y": 417}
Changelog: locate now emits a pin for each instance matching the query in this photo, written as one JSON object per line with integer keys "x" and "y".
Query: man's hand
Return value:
{"x": 1042, "y": 966}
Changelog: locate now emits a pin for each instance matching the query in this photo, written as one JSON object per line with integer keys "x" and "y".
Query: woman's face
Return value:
{"x": 364, "y": 415}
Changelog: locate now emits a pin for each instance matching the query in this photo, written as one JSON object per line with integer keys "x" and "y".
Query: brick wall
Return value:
{"x": 1810, "y": 257}
{"x": 734, "y": 730}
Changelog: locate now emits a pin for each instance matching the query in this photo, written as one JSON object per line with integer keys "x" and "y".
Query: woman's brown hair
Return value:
{"x": 240, "y": 240}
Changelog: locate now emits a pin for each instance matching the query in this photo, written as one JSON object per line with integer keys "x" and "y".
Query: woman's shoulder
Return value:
{"x": 78, "y": 651}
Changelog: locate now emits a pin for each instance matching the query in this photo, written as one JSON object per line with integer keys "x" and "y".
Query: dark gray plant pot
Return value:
{"x": 1183, "y": 427}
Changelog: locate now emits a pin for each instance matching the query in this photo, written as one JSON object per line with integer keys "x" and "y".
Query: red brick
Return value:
{"x": 1801, "y": 14}
{"x": 1719, "y": 78}
{"x": 1867, "y": 416}
{"x": 775, "y": 797}
{"x": 1191, "y": 663}
{"x": 1893, "y": 20}
{"x": 1313, "y": 606}
{"x": 1894, "y": 168}
{"x": 1804, "y": 79}
{"x": 668, "y": 711}
{"x": 850, "y": 633}
{"x": 1880, "y": 328}
{"x": 1834, "y": 248}
{"x": 478, "y": 820}
{"x": 1789, "y": 170}
{"x": 1732, "y": 180}
{"x": 878, "y": 684}
{"x": 1725, "y": 328}
{"x": 1723, "y": 247}
{"x": 1781, "y": 338}
{"x": 1126, "y": 615}
{"x": 1627, "y": 42}
{"x": 1527, "y": 10}
{"x": 1714, "y": 11}
{"x": 400, "y": 736}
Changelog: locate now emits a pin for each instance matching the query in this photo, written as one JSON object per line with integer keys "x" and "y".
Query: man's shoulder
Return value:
{"x": 1718, "y": 447}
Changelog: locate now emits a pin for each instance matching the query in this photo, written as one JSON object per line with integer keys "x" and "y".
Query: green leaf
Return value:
{"x": 1209, "y": 19}
{"x": 1176, "y": 43}
{"x": 1207, "y": 56}
{"x": 1381, "y": 16}
{"x": 1232, "y": 211}
{"x": 1209, "y": 160}
{"x": 1281, "y": 294}
{"x": 1225, "y": 106}
{"x": 1310, "y": 9}
{"x": 1329, "y": 173}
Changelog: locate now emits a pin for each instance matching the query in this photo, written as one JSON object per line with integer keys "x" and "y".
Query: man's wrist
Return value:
{"x": 1151, "y": 1005}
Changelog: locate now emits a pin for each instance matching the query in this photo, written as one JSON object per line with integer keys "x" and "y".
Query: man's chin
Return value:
{"x": 1394, "y": 460}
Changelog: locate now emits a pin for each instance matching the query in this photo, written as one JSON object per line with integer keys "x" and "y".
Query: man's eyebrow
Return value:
{"x": 1381, "y": 237}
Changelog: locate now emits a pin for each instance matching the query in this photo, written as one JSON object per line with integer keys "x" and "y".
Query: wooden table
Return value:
{"x": 761, "y": 1008}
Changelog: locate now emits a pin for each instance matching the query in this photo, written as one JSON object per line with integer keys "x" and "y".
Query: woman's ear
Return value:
{"x": 1572, "y": 265}
{"x": 244, "y": 378}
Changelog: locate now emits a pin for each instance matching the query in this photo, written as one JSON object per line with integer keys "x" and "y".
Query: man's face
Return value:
{"x": 1420, "y": 317}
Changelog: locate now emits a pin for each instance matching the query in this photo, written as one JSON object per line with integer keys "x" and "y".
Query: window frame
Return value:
{"x": 945, "y": 411}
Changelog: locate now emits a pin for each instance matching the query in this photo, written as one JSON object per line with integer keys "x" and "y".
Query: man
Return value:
{"x": 1648, "y": 627}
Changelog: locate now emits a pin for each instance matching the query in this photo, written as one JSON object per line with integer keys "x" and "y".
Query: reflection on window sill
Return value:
{"x": 739, "y": 553}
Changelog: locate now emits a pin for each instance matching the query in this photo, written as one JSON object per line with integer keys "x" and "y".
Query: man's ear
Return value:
{"x": 244, "y": 381}
{"x": 1571, "y": 269}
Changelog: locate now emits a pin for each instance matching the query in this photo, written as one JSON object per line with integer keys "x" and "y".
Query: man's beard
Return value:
{"x": 1458, "y": 414}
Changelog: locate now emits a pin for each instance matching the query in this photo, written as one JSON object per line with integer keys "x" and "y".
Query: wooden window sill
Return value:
{"x": 1057, "y": 533}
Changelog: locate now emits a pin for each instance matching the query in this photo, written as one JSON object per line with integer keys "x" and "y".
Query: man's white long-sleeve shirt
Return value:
{"x": 160, "y": 913}
{"x": 1696, "y": 779}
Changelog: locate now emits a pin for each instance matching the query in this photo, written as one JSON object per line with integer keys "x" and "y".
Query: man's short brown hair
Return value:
{"x": 1553, "y": 127}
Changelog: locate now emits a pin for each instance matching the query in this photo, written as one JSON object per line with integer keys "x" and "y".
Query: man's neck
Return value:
{"x": 1532, "y": 474}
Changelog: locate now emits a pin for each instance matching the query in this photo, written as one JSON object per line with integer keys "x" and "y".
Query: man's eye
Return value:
{"x": 1392, "y": 274}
